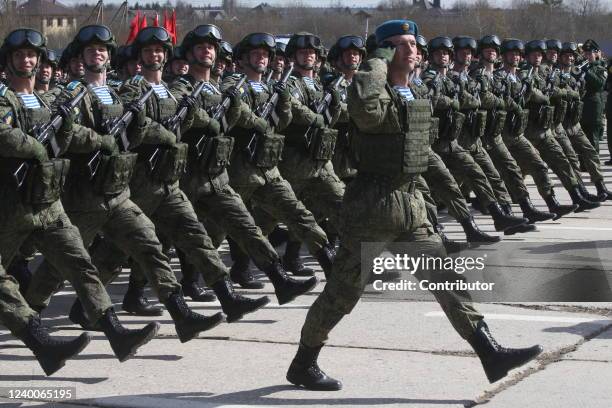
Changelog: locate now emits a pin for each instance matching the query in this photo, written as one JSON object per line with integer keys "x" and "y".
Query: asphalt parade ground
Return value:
{"x": 387, "y": 353}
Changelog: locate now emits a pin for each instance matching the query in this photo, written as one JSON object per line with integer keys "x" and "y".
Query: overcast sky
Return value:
{"x": 351, "y": 3}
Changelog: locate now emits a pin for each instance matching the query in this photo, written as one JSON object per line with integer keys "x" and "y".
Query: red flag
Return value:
{"x": 174, "y": 33}
{"x": 134, "y": 27}
{"x": 168, "y": 26}
{"x": 143, "y": 22}
{"x": 156, "y": 20}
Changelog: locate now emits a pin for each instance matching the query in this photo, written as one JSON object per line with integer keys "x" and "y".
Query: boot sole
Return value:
{"x": 134, "y": 312}
{"x": 520, "y": 229}
{"x": 213, "y": 320}
{"x": 231, "y": 318}
{"x": 134, "y": 348}
{"x": 51, "y": 367}
{"x": 301, "y": 384}
{"x": 291, "y": 298}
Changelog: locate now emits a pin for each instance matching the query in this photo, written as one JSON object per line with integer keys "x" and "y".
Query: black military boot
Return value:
{"x": 586, "y": 195}
{"x": 330, "y": 232}
{"x": 51, "y": 352}
{"x": 286, "y": 287}
{"x": 240, "y": 272}
{"x": 556, "y": 208}
{"x": 532, "y": 213}
{"x": 136, "y": 303}
{"x": 77, "y": 316}
{"x": 125, "y": 342}
{"x": 19, "y": 270}
{"x": 582, "y": 203}
{"x": 608, "y": 162}
{"x": 325, "y": 256}
{"x": 196, "y": 292}
{"x": 292, "y": 262}
{"x": 497, "y": 360}
{"x": 603, "y": 194}
{"x": 474, "y": 234}
{"x": 476, "y": 205}
{"x": 304, "y": 371}
{"x": 234, "y": 305}
{"x": 451, "y": 246}
{"x": 526, "y": 227}
{"x": 503, "y": 222}
{"x": 188, "y": 323}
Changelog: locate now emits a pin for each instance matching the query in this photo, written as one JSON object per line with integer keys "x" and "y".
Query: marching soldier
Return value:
{"x": 206, "y": 181}
{"x": 383, "y": 206}
{"x": 31, "y": 207}
{"x": 447, "y": 104}
{"x": 97, "y": 195}
{"x": 489, "y": 50}
{"x": 595, "y": 81}
{"x": 223, "y": 61}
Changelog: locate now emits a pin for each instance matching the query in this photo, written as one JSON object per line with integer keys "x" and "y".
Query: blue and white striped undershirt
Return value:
{"x": 257, "y": 86}
{"x": 309, "y": 82}
{"x": 404, "y": 92}
{"x": 29, "y": 100}
{"x": 103, "y": 93}
{"x": 160, "y": 91}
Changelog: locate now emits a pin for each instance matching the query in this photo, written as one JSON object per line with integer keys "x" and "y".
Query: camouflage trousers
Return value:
{"x": 373, "y": 215}
{"x": 128, "y": 228}
{"x": 466, "y": 170}
{"x": 51, "y": 231}
{"x": 482, "y": 158}
{"x": 14, "y": 310}
{"x": 530, "y": 162}
{"x": 176, "y": 223}
{"x": 587, "y": 155}
{"x": 552, "y": 153}
{"x": 508, "y": 168}
{"x": 444, "y": 188}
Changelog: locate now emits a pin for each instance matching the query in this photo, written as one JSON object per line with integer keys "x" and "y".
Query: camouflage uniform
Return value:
{"x": 382, "y": 204}
{"x": 14, "y": 310}
{"x": 592, "y": 117}
{"x": 38, "y": 216}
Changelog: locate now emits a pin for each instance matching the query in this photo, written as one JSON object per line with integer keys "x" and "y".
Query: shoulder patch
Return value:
{"x": 136, "y": 79}
{"x": 73, "y": 85}
{"x": 3, "y": 89}
{"x": 417, "y": 81}
{"x": 8, "y": 118}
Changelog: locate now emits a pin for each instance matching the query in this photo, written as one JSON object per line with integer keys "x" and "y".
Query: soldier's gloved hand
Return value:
{"x": 282, "y": 90}
{"x": 213, "y": 128}
{"x": 108, "y": 144}
{"x": 384, "y": 53}
{"x": 234, "y": 94}
{"x": 39, "y": 152}
{"x": 336, "y": 99}
{"x": 139, "y": 112}
{"x": 69, "y": 117}
{"x": 165, "y": 137}
{"x": 261, "y": 125}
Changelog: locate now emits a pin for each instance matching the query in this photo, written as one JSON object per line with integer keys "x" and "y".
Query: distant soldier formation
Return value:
{"x": 121, "y": 157}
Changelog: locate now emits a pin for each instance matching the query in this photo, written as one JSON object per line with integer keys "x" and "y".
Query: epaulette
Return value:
{"x": 3, "y": 89}
{"x": 73, "y": 85}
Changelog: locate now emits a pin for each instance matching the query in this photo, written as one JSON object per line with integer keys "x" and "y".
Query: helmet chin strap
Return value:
{"x": 194, "y": 61}
{"x": 23, "y": 74}
{"x": 154, "y": 67}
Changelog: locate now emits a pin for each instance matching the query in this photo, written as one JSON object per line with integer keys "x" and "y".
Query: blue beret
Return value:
{"x": 395, "y": 27}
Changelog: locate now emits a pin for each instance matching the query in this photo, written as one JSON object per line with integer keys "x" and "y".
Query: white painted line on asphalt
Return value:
{"x": 535, "y": 318}
{"x": 559, "y": 227}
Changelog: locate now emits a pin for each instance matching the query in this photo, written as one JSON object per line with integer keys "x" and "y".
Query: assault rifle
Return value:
{"x": 321, "y": 107}
{"x": 217, "y": 113}
{"x": 45, "y": 134}
{"x": 173, "y": 124}
{"x": 117, "y": 128}
{"x": 267, "y": 111}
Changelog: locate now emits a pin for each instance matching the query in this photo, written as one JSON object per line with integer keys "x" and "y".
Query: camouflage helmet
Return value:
{"x": 94, "y": 33}
{"x": 535, "y": 46}
{"x": 209, "y": 33}
{"x": 226, "y": 52}
{"x": 50, "y": 57}
{"x": 303, "y": 40}
{"x": 569, "y": 47}
{"x": 152, "y": 35}
{"x": 512, "y": 44}
{"x": 553, "y": 45}
{"x": 281, "y": 49}
{"x": 461, "y": 42}
{"x": 124, "y": 54}
{"x": 22, "y": 38}
{"x": 256, "y": 40}
{"x": 421, "y": 43}
{"x": 489, "y": 41}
